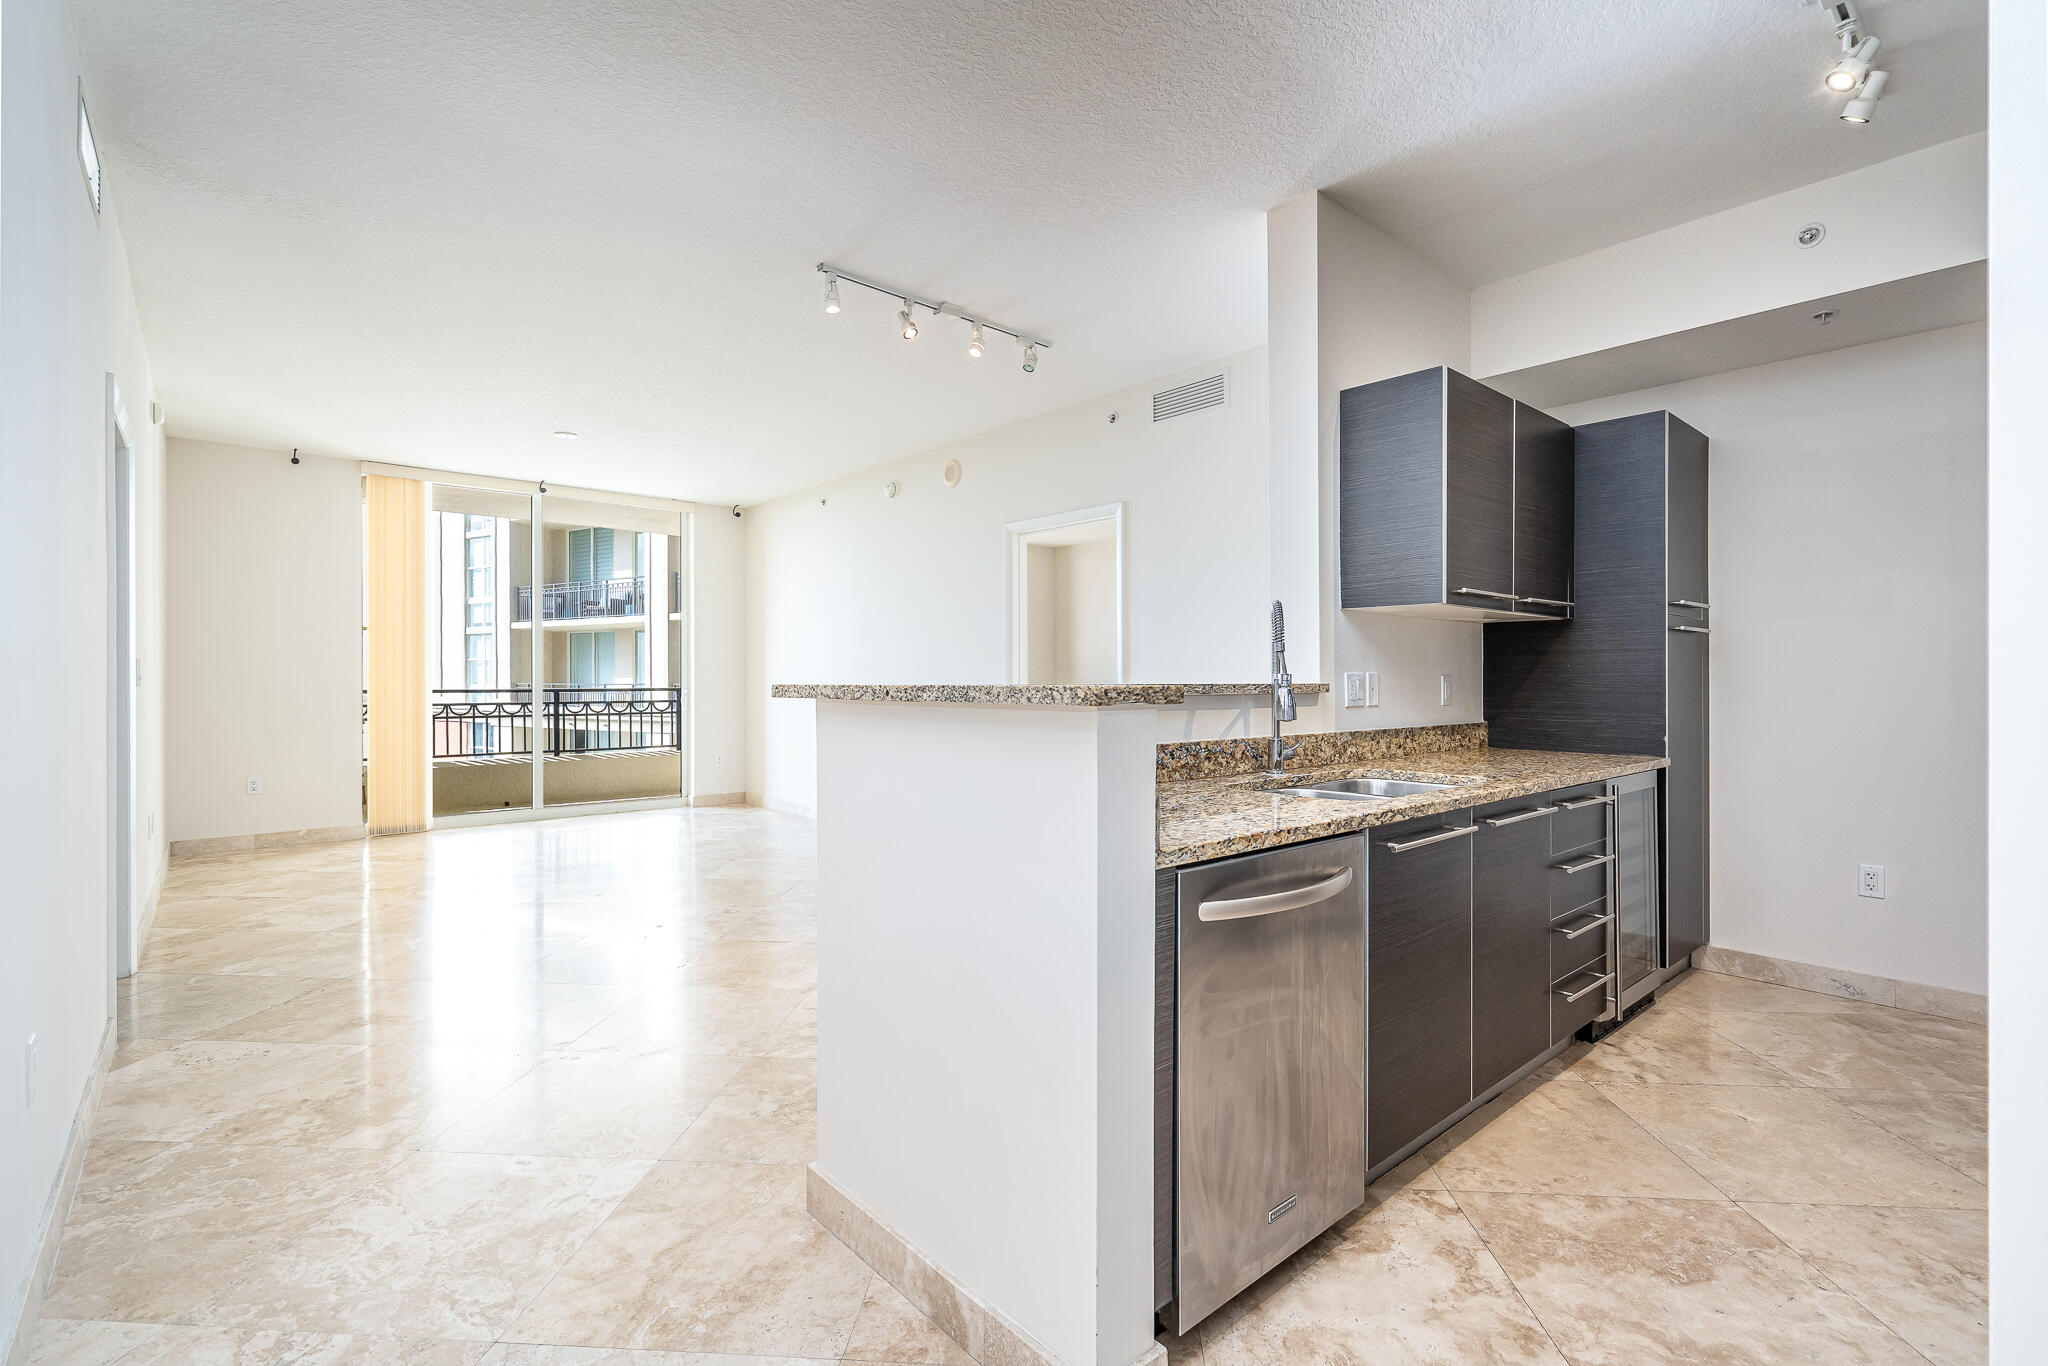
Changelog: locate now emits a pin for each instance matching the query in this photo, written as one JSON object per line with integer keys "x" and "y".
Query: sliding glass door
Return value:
{"x": 611, "y": 717}
{"x": 479, "y": 620}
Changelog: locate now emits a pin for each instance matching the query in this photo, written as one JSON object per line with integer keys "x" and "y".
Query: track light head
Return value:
{"x": 1861, "y": 109}
{"x": 832, "y": 294}
{"x": 1848, "y": 73}
{"x": 974, "y": 347}
{"x": 1030, "y": 357}
{"x": 909, "y": 323}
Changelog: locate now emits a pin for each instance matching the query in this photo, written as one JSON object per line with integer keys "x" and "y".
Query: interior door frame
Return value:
{"x": 1019, "y": 594}
{"x": 124, "y": 929}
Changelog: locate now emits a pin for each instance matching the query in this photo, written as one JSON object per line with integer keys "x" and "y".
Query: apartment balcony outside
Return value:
{"x": 620, "y": 596}
{"x": 598, "y": 743}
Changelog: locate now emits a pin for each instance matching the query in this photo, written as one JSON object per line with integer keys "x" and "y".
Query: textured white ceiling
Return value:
{"x": 435, "y": 233}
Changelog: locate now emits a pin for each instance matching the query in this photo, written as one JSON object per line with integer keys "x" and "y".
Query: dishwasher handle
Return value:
{"x": 1272, "y": 903}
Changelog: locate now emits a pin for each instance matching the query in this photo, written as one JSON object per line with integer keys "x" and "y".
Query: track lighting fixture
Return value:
{"x": 906, "y": 316}
{"x": 1854, "y": 66}
{"x": 1864, "y": 105}
{"x": 1851, "y": 73}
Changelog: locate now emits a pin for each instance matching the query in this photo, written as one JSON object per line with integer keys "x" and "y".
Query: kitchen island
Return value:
{"x": 988, "y": 997}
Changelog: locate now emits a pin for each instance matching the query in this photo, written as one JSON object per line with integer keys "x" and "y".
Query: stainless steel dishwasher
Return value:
{"x": 1270, "y": 1080}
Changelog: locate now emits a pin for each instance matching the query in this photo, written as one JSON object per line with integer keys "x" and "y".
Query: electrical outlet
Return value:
{"x": 30, "y": 1070}
{"x": 718, "y": 761}
{"x": 1870, "y": 880}
{"x": 1443, "y": 690}
{"x": 152, "y": 825}
{"x": 1354, "y": 690}
{"x": 255, "y": 787}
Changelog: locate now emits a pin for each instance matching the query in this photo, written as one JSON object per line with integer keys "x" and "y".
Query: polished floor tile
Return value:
{"x": 1617, "y": 1282}
{"x": 541, "y": 1095}
{"x": 1922, "y": 1272}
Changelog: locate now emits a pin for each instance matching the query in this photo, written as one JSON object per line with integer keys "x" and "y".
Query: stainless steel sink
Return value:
{"x": 1365, "y": 789}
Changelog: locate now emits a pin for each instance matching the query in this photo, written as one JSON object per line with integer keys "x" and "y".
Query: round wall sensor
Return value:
{"x": 951, "y": 474}
{"x": 891, "y": 489}
{"x": 1812, "y": 233}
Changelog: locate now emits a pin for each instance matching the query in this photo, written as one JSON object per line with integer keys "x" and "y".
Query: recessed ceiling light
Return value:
{"x": 565, "y": 436}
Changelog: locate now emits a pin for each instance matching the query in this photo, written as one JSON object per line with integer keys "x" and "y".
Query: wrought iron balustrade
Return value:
{"x": 621, "y": 596}
{"x": 483, "y": 722}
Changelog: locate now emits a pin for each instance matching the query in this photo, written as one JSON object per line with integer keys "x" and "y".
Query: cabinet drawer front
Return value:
{"x": 1570, "y": 892}
{"x": 1419, "y": 969}
{"x": 1568, "y": 1016}
{"x": 1579, "y": 941}
{"x": 1580, "y": 823}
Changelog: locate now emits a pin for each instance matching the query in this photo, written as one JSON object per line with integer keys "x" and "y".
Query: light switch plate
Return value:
{"x": 1443, "y": 690}
{"x": 1372, "y": 690}
{"x": 1354, "y": 690}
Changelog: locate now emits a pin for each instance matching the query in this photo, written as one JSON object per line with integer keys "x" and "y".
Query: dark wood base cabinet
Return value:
{"x": 1418, "y": 955}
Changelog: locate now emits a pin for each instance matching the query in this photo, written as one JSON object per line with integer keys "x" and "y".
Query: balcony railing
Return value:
{"x": 479, "y": 722}
{"x": 625, "y": 596}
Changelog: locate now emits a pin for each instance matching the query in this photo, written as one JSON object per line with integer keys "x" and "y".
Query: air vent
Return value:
{"x": 1211, "y": 391}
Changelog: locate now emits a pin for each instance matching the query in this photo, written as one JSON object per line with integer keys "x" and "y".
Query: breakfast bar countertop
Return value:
{"x": 1209, "y": 818}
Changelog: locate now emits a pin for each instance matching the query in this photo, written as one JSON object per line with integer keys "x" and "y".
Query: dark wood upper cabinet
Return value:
{"x": 1543, "y": 511}
{"x": 1434, "y": 515}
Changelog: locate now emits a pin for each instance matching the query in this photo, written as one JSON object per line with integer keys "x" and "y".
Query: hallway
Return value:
{"x": 517, "y": 1094}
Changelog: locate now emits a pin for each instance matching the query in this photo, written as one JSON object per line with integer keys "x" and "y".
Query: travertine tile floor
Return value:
{"x": 541, "y": 1095}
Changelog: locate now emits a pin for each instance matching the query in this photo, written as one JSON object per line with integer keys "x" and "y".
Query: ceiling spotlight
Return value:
{"x": 1030, "y": 358}
{"x": 909, "y": 323}
{"x": 974, "y": 343}
{"x": 1864, "y": 105}
{"x": 565, "y": 436}
{"x": 832, "y": 294}
{"x": 1854, "y": 66}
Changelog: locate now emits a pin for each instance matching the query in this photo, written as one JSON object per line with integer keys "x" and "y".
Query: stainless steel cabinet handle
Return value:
{"x": 1403, "y": 846}
{"x": 1547, "y": 602}
{"x": 1586, "y": 926}
{"x": 1272, "y": 903}
{"x": 1580, "y": 865}
{"x": 1518, "y": 817}
{"x": 1483, "y": 593}
{"x": 1575, "y": 803}
{"x": 1682, "y": 602}
{"x": 1693, "y": 630}
{"x": 1584, "y": 991}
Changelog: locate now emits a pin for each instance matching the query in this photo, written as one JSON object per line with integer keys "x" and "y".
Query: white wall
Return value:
{"x": 1846, "y": 541}
{"x": 69, "y": 321}
{"x": 718, "y": 679}
{"x": 2017, "y": 567}
{"x": 265, "y": 574}
{"x": 845, "y": 586}
{"x": 1913, "y": 214}
{"x": 1084, "y": 617}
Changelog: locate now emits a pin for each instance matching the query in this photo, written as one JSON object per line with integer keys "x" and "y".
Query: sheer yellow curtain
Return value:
{"x": 395, "y": 652}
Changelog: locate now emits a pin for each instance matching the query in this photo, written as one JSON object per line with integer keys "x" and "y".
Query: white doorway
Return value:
{"x": 1067, "y": 597}
{"x": 123, "y": 684}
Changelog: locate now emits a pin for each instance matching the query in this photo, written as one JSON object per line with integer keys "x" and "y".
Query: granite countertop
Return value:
{"x": 1032, "y": 694}
{"x": 1208, "y": 818}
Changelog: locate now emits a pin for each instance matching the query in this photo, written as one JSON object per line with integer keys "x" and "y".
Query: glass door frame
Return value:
{"x": 678, "y": 670}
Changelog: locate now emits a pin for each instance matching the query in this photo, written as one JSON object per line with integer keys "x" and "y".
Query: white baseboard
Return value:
{"x": 787, "y": 808}
{"x": 14, "y": 1349}
{"x": 1946, "y": 1002}
{"x": 720, "y": 799}
{"x": 268, "y": 839}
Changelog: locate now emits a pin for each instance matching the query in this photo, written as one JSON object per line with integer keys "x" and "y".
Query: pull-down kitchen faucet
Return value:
{"x": 1283, "y": 698}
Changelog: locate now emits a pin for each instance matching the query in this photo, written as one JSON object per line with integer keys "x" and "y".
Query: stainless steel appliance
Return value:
{"x": 1270, "y": 1093}
{"x": 1635, "y": 948}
